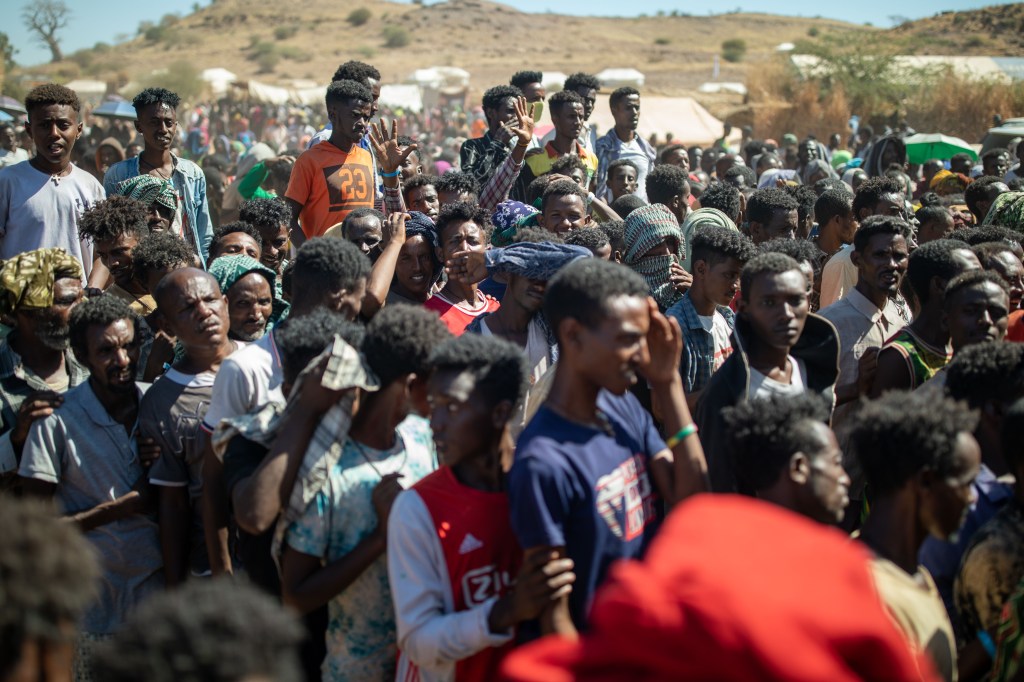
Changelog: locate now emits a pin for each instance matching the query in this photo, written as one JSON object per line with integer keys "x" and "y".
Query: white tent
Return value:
{"x": 440, "y": 77}
{"x": 553, "y": 81}
{"x": 269, "y": 94}
{"x": 688, "y": 121}
{"x": 89, "y": 90}
{"x": 219, "y": 79}
{"x": 618, "y": 78}
{"x": 408, "y": 97}
{"x": 723, "y": 86}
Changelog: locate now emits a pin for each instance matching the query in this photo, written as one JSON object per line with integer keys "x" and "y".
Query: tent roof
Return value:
{"x": 616, "y": 78}
{"x": 684, "y": 117}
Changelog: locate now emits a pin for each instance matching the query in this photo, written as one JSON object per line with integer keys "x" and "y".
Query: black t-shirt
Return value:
{"x": 241, "y": 459}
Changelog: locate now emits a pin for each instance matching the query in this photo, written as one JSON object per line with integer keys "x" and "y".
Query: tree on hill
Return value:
{"x": 44, "y": 18}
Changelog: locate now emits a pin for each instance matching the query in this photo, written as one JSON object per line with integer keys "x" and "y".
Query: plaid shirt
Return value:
{"x": 497, "y": 188}
{"x": 697, "y": 363}
{"x": 482, "y": 157}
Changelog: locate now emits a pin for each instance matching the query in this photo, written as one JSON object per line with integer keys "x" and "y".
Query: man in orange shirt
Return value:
{"x": 334, "y": 177}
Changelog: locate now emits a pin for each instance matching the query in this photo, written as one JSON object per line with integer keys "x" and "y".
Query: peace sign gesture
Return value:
{"x": 389, "y": 154}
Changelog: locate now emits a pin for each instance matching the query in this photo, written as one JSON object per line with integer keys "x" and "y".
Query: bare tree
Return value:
{"x": 45, "y": 18}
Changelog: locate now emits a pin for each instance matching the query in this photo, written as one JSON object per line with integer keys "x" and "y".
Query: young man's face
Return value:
{"x": 238, "y": 243}
{"x": 55, "y": 128}
{"x": 459, "y": 417}
{"x": 460, "y": 236}
{"x": 935, "y": 229}
{"x": 194, "y": 309}
{"x": 411, "y": 166}
{"x": 1009, "y": 267}
{"x": 977, "y": 314}
{"x": 626, "y": 112}
{"x": 997, "y": 165}
{"x": 116, "y": 255}
{"x": 527, "y": 293}
{"x": 568, "y": 120}
{"x": 783, "y": 225}
{"x": 579, "y": 176}
{"x": 766, "y": 163}
{"x": 350, "y": 119}
{"x": 679, "y": 157}
{"x": 250, "y": 304}
{"x": 7, "y": 138}
{"x": 534, "y": 92}
{"x": 375, "y": 92}
{"x": 882, "y": 263}
{"x": 414, "y": 270}
{"x": 776, "y": 308}
{"x": 848, "y": 226}
{"x": 159, "y": 218}
{"x": 365, "y": 233}
{"x": 946, "y": 500}
{"x": 564, "y": 213}
{"x": 111, "y": 355}
{"x": 616, "y": 348}
{"x": 157, "y": 123}
{"x": 51, "y": 326}
{"x": 827, "y": 489}
{"x": 275, "y": 245}
{"x": 503, "y": 114}
{"x": 589, "y": 96}
{"x": 721, "y": 280}
{"x": 622, "y": 180}
{"x": 424, "y": 199}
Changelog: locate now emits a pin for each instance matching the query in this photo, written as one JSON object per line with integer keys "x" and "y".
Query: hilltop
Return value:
{"x": 992, "y": 31}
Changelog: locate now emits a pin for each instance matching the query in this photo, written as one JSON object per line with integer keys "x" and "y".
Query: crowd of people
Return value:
{"x": 378, "y": 401}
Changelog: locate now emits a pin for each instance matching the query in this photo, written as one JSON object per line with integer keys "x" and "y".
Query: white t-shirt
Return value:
{"x": 249, "y": 378}
{"x": 762, "y": 386}
{"x": 634, "y": 152}
{"x": 10, "y": 158}
{"x": 38, "y": 211}
{"x": 719, "y": 329}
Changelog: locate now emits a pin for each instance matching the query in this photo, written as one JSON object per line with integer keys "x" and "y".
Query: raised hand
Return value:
{"x": 664, "y": 347}
{"x": 394, "y": 228}
{"x": 523, "y": 126}
{"x": 679, "y": 277}
{"x": 389, "y": 154}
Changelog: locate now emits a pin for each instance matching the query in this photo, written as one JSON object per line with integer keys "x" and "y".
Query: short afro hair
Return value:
{"x": 616, "y": 231}
{"x": 51, "y": 93}
{"x": 985, "y": 234}
{"x": 399, "y": 340}
{"x": 879, "y": 224}
{"x": 347, "y": 91}
{"x": 582, "y": 291}
{"x": 724, "y": 197}
{"x": 979, "y": 191}
{"x": 563, "y": 98}
{"x": 327, "y": 265}
{"x": 749, "y": 179}
{"x": 359, "y": 214}
{"x": 357, "y": 71}
{"x": 457, "y": 182}
{"x": 620, "y": 94}
{"x": 104, "y": 310}
{"x": 590, "y": 238}
{"x": 215, "y": 630}
{"x": 933, "y": 259}
{"x": 48, "y": 574}
{"x": 626, "y": 204}
{"x": 116, "y": 216}
{"x": 966, "y": 280}
{"x": 460, "y": 212}
{"x": 903, "y": 433}
{"x": 231, "y": 228}
{"x": 799, "y": 250}
{"x": 806, "y": 198}
{"x": 765, "y": 264}
{"x": 763, "y": 435}
{"x": 581, "y": 81}
{"x": 160, "y": 251}
{"x": 831, "y": 184}
{"x": 300, "y": 339}
{"x": 567, "y": 164}
{"x": 981, "y": 372}
{"x": 763, "y": 204}
{"x": 496, "y": 96}
{"x": 714, "y": 244}
{"x": 521, "y": 79}
{"x": 871, "y": 191}
{"x": 498, "y": 365}
{"x": 417, "y": 181}
{"x": 536, "y": 235}
{"x": 831, "y": 204}
{"x": 664, "y": 182}
{"x": 619, "y": 163}
{"x": 562, "y": 188}
{"x": 535, "y": 190}
{"x": 265, "y": 214}
{"x": 987, "y": 252}
{"x": 931, "y": 214}
{"x": 153, "y": 96}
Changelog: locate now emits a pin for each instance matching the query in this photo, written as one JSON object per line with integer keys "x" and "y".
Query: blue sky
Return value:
{"x": 122, "y": 17}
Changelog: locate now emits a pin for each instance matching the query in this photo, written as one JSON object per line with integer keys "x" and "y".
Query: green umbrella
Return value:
{"x": 926, "y": 146}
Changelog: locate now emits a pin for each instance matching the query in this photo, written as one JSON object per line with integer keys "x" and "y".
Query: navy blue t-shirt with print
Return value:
{"x": 585, "y": 489}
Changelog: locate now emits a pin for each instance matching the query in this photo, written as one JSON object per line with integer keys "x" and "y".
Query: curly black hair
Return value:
{"x": 359, "y": 214}
{"x": 230, "y": 228}
{"x": 626, "y": 204}
{"x": 499, "y": 366}
{"x": 748, "y": 175}
{"x": 871, "y": 191}
{"x": 985, "y": 234}
{"x": 765, "y": 264}
{"x": 806, "y": 198}
{"x": 616, "y": 231}
{"x": 617, "y": 163}
{"x": 567, "y": 164}
{"x": 987, "y": 371}
{"x": 357, "y": 71}
{"x": 664, "y": 182}
{"x": 521, "y": 79}
{"x": 831, "y": 184}
{"x": 48, "y": 574}
{"x": 763, "y": 435}
{"x": 621, "y": 94}
{"x": 581, "y": 81}
{"x": 930, "y": 199}
{"x": 51, "y": 93}
{"x": 969, "y": 279}
{"x": 799, "y": 250}
{"x": 114, "y": 217}
{"x": 496, "y": 96}
{"x": 417, "y": 181}
{"x": 104, "y": 310}
{"x": 152, "y": 96}
{"x": 160, "y": 251}
{"x": 457, "y": 182}
{"x": 399, "y": 340}
{"x": 582, "y": 289}
{"x": 300, "y": 339}
{"x": 347, "y": 91}
{"x": 215, "y": 630}
{"x": 930, "y": 214}
{"x": 562, "y": 188}
{"x": 980, "y": 190}
{"x": 535, "y": 235}
{"x": 562, "y": 98}
{"x": 714, "y": 244}
{"x": 669, "y": 150}
{"x": 327, "y": 265}
{"x": 265, "y": 214}
{"x": 591, "y": 238}
{"x": 763, "y": 204}
{"x": 724, "y": 197}
{"x": 933, "y": 259}
{"x": 879, "y": 224}
{"x": 904, "y": 432}
{"x": 460, "y": 212}
{"x": 987, "y": 252}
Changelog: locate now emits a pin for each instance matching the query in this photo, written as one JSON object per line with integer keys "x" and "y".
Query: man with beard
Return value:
{"x": 85, "y": 456}
{"x": 115, "y": 227}
{"x": 38, "y": 290}
{"x": 193, "y": 309}
{"x": 623, "y": 142}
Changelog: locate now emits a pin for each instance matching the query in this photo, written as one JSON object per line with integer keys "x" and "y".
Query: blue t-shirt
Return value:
{"x": 582, "y": 488}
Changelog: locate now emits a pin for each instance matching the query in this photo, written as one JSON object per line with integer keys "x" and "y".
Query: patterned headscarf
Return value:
{"x": 508, "y": 217}
{"x": 946, "y": 182}
{"x": 149, "y": 190}
{"x": 702, "y": 217}
{"x": 227, "y": 270}
{"x": 646, "y": 227}
{"x": 26, "y": 280}
{"x": 1007, "y": 211}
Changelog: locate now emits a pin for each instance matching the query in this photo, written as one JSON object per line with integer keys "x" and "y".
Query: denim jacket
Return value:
{"x": 189, "y": 181}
